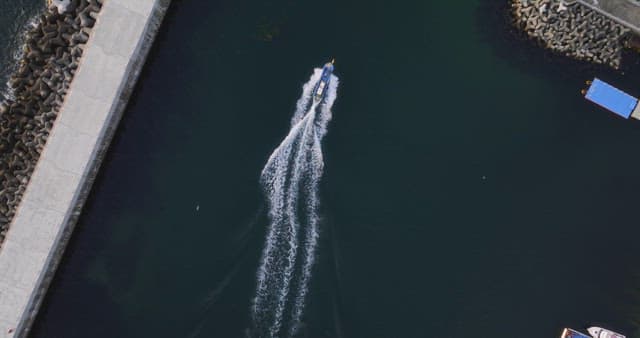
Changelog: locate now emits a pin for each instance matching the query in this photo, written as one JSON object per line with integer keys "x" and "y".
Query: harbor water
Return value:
{"x": 466, "y": 190}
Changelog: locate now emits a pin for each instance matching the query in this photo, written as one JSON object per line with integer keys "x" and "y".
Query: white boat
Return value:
{"x": 598, "y": 332}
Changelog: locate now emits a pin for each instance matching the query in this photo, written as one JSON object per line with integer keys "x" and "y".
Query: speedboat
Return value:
{"x": 598, "y": 332}
{"x": 321, "y": 88}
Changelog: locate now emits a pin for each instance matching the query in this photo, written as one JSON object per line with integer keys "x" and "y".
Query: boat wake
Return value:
{"x": 290, "y": 181}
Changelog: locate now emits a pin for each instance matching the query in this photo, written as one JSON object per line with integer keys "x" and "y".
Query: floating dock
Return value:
{"x": 613, "y": 99}
{"x": 68, "y": 164}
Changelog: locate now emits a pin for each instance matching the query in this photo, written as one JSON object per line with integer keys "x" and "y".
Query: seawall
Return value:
{"x": 69, "y": 162}
{"x": 571, "y": 29}
{"x": 624, "y": 12}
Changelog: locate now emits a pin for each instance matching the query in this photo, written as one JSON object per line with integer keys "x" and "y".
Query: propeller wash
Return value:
{"x": 290, "y": 180}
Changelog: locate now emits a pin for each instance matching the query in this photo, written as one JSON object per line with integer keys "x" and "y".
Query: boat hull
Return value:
{"x": 598, "y": 332}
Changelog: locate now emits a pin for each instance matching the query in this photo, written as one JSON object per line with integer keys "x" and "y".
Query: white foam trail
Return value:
{"x": 290, "y": 180}
{"x": 313, "y": 203}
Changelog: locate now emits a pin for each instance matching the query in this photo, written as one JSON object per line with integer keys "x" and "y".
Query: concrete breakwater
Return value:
{"x": 86, "y": 121}
{"x": 571, "y": 29}
{"x": 50, "y": 59}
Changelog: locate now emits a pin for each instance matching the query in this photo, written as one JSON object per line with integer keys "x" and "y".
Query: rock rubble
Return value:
{"x": 571, "y": 29}
{"x": 52, "y": 53}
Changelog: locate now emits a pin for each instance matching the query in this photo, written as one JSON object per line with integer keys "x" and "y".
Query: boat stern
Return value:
{"x": 598, "y": 332}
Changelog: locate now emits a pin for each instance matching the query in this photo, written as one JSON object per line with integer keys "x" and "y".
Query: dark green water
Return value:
{"x": 469, "y": 190}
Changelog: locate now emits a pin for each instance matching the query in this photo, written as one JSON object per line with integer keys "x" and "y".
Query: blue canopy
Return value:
{"x": 611, "y": 98}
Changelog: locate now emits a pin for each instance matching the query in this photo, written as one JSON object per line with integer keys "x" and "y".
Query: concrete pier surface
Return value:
{"x": 43, "y": 223}
{"x": 625, "y": 12}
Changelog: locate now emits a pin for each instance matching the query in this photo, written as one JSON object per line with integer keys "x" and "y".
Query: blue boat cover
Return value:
{"x": 611, "y": 98}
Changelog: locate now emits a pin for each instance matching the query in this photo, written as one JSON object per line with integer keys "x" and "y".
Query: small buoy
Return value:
{"x": 484, "y": 177}
{"x": 197, "y": 207}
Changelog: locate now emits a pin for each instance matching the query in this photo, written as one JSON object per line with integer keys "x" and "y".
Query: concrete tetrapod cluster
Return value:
{"x": 571, "y": 29}
{"x": 51, "y": 55}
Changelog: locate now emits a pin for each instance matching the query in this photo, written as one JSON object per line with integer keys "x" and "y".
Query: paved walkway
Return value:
{"x": 64, "y": 173}
{"x": 626, "y": 12}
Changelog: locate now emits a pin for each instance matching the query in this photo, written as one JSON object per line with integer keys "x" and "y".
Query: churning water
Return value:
{"x": 290, "y": 181}
{"x": 21, "y": 16}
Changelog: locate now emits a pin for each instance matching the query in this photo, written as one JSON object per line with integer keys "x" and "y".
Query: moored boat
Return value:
{"x": 571, "y": 333}
{"x": 598, "y": 332}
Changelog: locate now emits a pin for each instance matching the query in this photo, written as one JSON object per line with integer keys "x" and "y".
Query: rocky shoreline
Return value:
{"x": 571, "y": 29}
{"x": 51, "y": 57}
